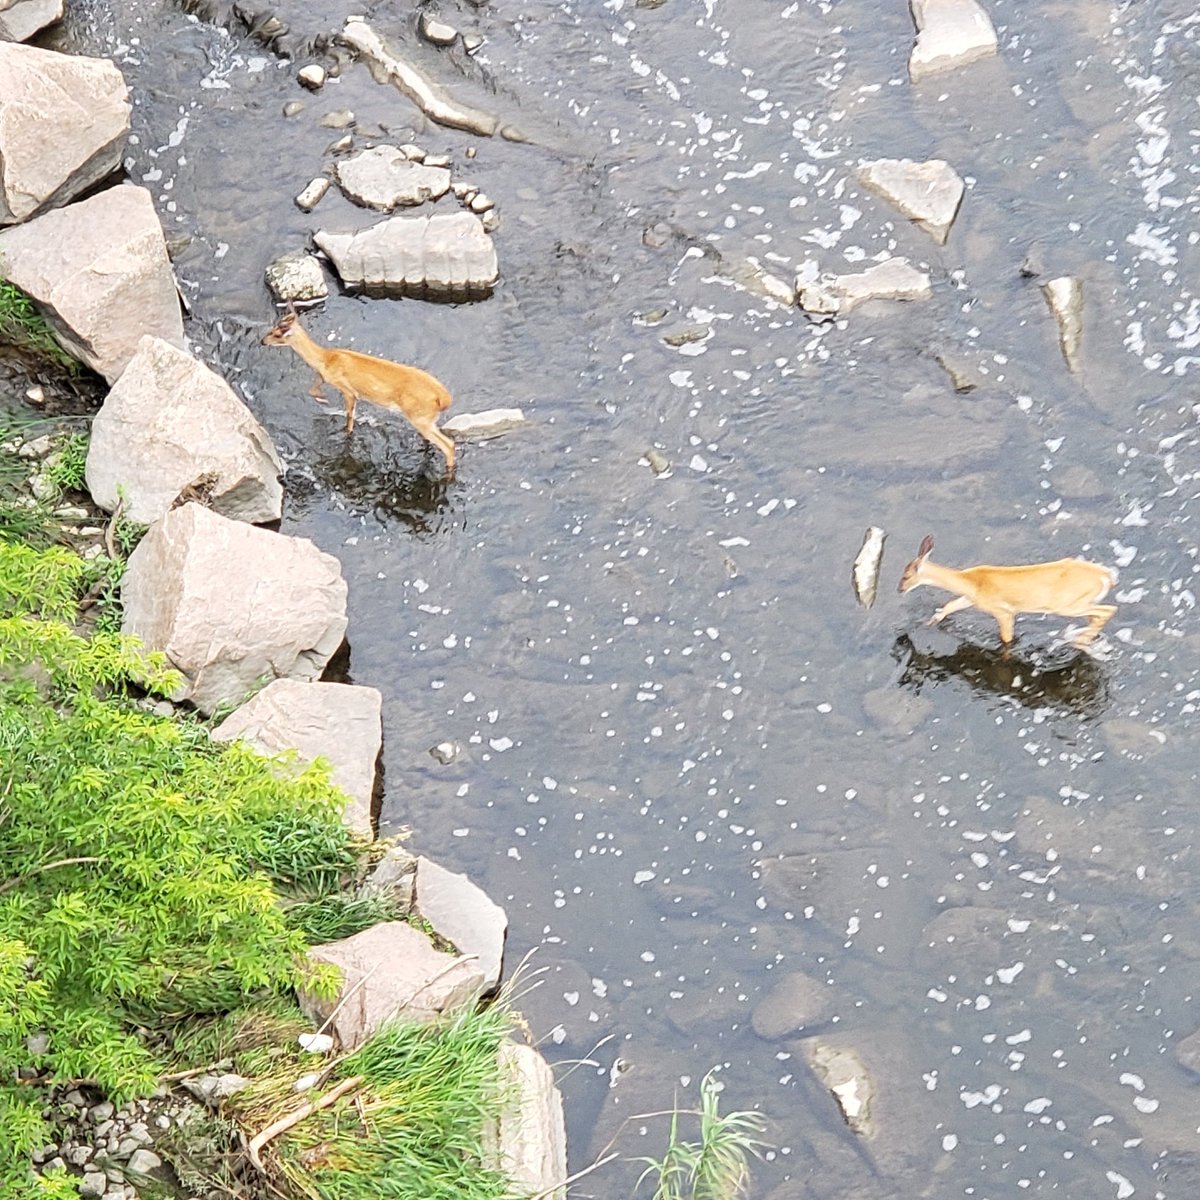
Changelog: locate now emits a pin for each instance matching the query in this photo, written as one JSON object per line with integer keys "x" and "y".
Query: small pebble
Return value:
{"x": 292, "y": 107}
{"x": 342, "y": 118}
{"x": 658, "y": 464}
{"x": 312, "y": 76}
{"x": 313, "y": 194}
{"x": 35, "y": 395}
{"x": 490, "y": 221}
{"x": 413, "y": 153}
{"x": 343, "y": 143}
{"x": 437, "y": 160}
{"x": 437, "y": 32}
{"x": 472, "y": 42}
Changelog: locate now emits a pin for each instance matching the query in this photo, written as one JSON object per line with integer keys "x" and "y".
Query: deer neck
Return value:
{"x": 308, "y": 350}
{"x": 945, "y": 577}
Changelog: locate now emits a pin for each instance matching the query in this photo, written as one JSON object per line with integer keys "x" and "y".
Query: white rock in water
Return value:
{"x": 490, "y": 423}
{"x": 927, "y": 193}
{"x": 895, "y": 279}
{"x": 313, "y": 194}
{"x": 385, "y": 177}
{"x": 950, "y": 33}
{"x": 1064, "y": 295}
{"x": 867, "y": 564}
{"x": 843, "y": 1072}
{"x": 312, "y": 76}
{"x": 437, "y": 32}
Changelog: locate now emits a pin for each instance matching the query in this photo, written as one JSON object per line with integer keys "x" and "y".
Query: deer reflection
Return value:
{"x": 1067, "y": 679}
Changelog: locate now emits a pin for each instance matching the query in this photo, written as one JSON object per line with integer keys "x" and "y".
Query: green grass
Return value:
{"x": 64, "y": 469}
{"x": 21, "y": 325}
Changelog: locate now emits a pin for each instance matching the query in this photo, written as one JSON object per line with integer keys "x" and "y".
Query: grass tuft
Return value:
{"x": 21, "y": 325}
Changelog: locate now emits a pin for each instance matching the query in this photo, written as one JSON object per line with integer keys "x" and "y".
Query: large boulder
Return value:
{"x": 231, "y": 605}
{"x": 21, "y": 19}
{"x": 389, "y": 972}
{"x": 339, "y": 722}
{"x": 99, "y": 273}
{"x": 63, "y": 119}
{"x": 448, "y": 255}
{"x": 529, "y": 1143}
{"x": 463, "y": 914}
{"x": 170, "y": 421}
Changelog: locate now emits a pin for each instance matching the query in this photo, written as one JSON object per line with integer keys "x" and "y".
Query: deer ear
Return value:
{"x": 926, "y": 545}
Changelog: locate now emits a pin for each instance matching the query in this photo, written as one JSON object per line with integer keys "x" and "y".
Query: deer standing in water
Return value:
{"x": 1070, "y": 587}
{"x": 411, "y": 391}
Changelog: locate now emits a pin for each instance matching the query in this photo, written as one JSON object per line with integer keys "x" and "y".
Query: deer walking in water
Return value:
{"x": 1070, "y": 587}
{"x": 409, "y": 390}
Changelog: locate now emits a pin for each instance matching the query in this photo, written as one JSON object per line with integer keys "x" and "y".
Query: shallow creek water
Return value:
{"x": 691, "y": 764}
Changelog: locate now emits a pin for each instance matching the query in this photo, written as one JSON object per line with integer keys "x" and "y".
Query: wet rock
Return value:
{"x": 1034, "y": 262}
{"x": 312, "y": 77}
{"x": 927, "y": 193}
{"x": 339, "y": 722}
{"x": 463, "y": 914}
{"x": 950, "y": 33}
{"x": 751, "y": 276}
{"x": 796, "y": 1003}
{"x": 658, "y": 462}
{"x": 341, "y": 118}
{"x": 434, "y": 103}
{"x": 1187, "y": 1052}
{"x": 1064, "y": 296}
{"x": 63, "y": 121}
{"x": 384, "y": 177}
{"x": 490, "y": 423}
{"x": 964, "y": 372}
{"x": 529, "y": 1143}
{"x": 446, "y": 255}
{"x": 471, "y": 43}
{"x": 844, "y": 1073}
{"x": 313, "y": 194}
{"x": 230, "y": 604}
{"x": 894, "y": 279}
{"x": 1132, "y": 739}
{"x": 1078, "y": 482}
{"x": 436, "y": 32}
{"x": 297, "y": 277}
{"x": 168, "y": 421}
{"x": 99, "y": 273}
{"x": 211, "y": 1089}
{"x": 293, "y": 108}
{"x": 342, "y": 143}
{"x": 390, "y": 971}
{"x": 446, "y": 752}
{"x": 21, "y": 19}
{"x": 897, "y": 711}
{"x": 394, "y": 876}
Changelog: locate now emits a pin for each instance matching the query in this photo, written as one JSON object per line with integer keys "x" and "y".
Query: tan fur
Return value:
{"x": 408, "y": 390}
{"x": 1069, "y": 587}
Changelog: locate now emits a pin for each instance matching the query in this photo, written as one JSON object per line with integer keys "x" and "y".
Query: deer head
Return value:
{"x": 280, "y": 334}
{"x": 912, "y": 573}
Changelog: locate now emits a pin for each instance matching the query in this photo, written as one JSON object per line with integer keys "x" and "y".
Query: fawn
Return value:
{"x": 414, "y": 392}
{"x": 1070, "y": 587}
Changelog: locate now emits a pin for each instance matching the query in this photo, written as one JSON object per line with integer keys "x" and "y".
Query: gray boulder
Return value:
{"x": 339, "y": 722}
{"x": 385, "y": 177}
{"x": 389, "y": 971}
{"x": 169, "y": 421}
{"x": 63, "y": 119}
{"x": 21, "y": 19}
{"x": 98, "y": 272}
{"x": 463, "y": 914}
{"x": 950, "y": 33}
{"x": 231, "y": 605}
{"x": 448, "y": 255}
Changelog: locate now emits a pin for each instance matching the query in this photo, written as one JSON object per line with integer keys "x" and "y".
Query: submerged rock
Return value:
{"x": 927, "y": 193}
{"x": 339, "y": 722}
{"x": 99, "y": 273}
{"x": 796, "y": 1003}
{"x": 449, "y": 256}
{"x": 528, "y": 1144}
{"x": 63, "y": 124}
{"x": 167, "y": 422}
{"x": 894, "y": 279}
{"x": 384, "y": 177}
{"x": 845, "y": 1074}
{"x": 950, "y": 33}
{"x": 1065, "y": 299}
{"x": 463, "y": 914}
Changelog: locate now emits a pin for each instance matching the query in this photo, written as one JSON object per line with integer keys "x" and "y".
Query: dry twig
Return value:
{"x": 259, "y": 1140}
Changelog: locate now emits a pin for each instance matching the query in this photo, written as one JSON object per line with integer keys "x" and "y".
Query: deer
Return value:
{"x": 413, "y": 392}
{"x": 1069, "y": 587}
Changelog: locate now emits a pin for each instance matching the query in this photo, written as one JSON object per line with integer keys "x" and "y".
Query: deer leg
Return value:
{"x": 350, "y": 399}
{"x": 435, "y": 437}
{"x": 1098, "y": 616}
{"x": 953, "y": 606}
{"x": 315, "y": 391}
{"x": 1006, "y": 620}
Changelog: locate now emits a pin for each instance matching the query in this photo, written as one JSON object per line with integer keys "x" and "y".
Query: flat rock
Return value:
{"x": 893, "y": 279}
{"x": 297, "y": 277}
{"x": 462, "y": 913}
{"x": 950, "y": 33}
{"x": 447, "y": 255}
{"x": 490, "y": 423}
{"x": 21, "y": 19}
{"x": 385, "y": 177}
{"x": 796, "y": 1003}
{"x": 389, "y": 971}
{"x": 169, "y": 421}
{"x": 898, "y": 712}
{"x": 1064, "y": 296}
{"x": 63, "y": 120}
{"x": 529, "y": 1143}
{"x": 231, "y": 605}
{"x": 339, "y": 722}
{"x": 927, "y": 193}
{"x": 98, "y": 272}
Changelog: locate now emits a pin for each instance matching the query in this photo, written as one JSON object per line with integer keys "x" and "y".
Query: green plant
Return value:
{"x": 21, "y": 325}
{"x": 64, "y": 469}
{"x": 717, "y": 1166}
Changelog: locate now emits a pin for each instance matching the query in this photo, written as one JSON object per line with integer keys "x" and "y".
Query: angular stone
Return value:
{"x": 463, "y": 914}
{"x": 21, "y": 19}
{"x": 313, "y": 194}
{"x": 297, "y": 277}
{"x": 445, "y": 255}
{"x": 529, "y": 1144}
{"x": 213, "y": 1089}
{"x": 142, "y": 1162}
{"x": 844, "y": 1073}
{"x": 384, "y": 177}
{"x": 63, "y": 122}
{"x": 437, "y": 32}
{"x": 230, "y": 604}
{"x": 794, "y": 1004}
{"x": 1065, "y": 299}
{"x": 894, "y": 279}
{"x": 927, "y": 193}
{"x": 93, "y": 1183}
{"x": 389, "y": 971}
{"x": 490, "y": 423}
{"x": 99, "y": 273}
{"x": 950, "y": 33}
{"x": 339, "y": 722}
{"x": 394, "y": 876}
{"x": 169, "y": 421}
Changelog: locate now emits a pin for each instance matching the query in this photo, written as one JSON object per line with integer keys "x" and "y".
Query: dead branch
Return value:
{"x": 259, "y": 1140}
